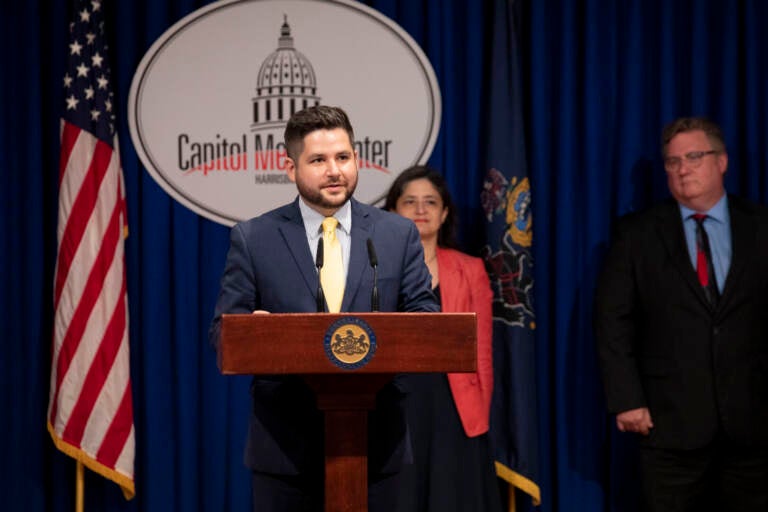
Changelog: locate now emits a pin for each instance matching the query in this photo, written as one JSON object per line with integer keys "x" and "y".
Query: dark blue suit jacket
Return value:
{"x": 269, "y": 266}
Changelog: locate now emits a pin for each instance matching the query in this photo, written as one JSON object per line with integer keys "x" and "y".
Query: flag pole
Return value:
{"x": 511, "y": 499}
{"x": 79, "y": 487}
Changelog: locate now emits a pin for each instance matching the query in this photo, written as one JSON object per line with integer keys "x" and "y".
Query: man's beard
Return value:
{"x": 316, "y": 198}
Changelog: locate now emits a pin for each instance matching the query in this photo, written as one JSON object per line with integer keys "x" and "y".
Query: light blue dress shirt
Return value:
{"x": 718, "y": 228}
{"x": 313, "y": 223}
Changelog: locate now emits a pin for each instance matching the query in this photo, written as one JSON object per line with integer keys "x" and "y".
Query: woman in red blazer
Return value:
{"x": 453, "y": 469}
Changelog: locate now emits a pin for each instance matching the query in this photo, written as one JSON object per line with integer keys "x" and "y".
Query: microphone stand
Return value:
{"x": 375, "y": 264}
{"x": 319, "y": 265}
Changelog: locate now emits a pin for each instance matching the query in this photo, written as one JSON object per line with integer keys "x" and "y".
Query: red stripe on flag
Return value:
{"x": 82, "y": 313}
{"x": 119, "y": 430}
{"x": 80, "y": 214}
{"x": 97, "y": 373}
{"x": 68, "y": 139}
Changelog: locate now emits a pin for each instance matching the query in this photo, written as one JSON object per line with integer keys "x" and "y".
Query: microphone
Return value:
{"x": 319, "y": 265}
{"x": 375, "y": 264}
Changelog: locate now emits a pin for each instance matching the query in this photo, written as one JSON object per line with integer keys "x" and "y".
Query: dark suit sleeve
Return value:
{"x": 416, "y": 282}
{"x": 616, "y": 330}
{"x": 238, "y": 293}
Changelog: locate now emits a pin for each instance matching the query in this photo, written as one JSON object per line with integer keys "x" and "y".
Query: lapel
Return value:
{"x": 295, "y": 236}
{"x": 743, "y": 231}
{"x": 669, "y": 226}
{"x": 450, "y": 280}
{"x": 362, "y": 230}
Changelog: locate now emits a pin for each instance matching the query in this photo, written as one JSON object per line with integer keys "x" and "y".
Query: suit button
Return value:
{"x": 715, "y": 331}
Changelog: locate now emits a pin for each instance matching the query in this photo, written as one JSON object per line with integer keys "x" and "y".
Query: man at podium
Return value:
{"x": 272, "y": 266}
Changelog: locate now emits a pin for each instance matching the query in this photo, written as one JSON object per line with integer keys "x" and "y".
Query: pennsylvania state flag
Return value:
{"x": 506, "y": 201}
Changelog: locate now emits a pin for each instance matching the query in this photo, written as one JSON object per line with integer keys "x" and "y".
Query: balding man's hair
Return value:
{"x": 692, "y": 124}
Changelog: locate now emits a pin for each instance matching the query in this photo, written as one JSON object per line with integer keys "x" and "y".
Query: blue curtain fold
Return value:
{"x": 599, "y": 80}
{"x": 602, "y": 78}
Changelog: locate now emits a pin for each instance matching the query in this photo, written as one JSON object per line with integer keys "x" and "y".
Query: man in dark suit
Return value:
{"x": 271, "y": 268}
{"x": 681, "y": 320}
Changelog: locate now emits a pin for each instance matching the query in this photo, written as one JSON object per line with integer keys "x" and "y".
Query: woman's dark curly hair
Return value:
{"x": 446, "y": 237}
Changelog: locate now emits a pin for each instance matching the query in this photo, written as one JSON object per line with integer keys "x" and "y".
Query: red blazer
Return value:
{"x": 465, "y": 287}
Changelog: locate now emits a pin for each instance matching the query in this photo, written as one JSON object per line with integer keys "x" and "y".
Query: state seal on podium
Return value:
{"x": 350, "y": 343}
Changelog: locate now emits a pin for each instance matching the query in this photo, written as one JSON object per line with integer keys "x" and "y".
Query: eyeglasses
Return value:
{"x": 692, "y": 159}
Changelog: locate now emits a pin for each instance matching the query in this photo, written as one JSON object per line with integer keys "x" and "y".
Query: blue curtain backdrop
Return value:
{"x": 599, "y": 79}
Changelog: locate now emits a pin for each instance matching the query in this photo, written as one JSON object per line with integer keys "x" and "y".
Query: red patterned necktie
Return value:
{"x": 704, "y": 267}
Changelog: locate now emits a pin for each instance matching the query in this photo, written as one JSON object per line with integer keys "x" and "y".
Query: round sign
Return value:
{"x": 210, "y": 99}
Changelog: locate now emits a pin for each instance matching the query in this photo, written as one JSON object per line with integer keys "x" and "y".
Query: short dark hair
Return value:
{"x": 446, "y": 237}
{"x": 319, "y": 117}
{"x": 691, "y": 124}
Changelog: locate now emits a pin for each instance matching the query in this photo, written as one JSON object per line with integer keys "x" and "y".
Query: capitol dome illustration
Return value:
{"x": 286, "y": 83}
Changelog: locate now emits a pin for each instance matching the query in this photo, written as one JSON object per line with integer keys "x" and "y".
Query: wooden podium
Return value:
{"x": 327, "y": 349}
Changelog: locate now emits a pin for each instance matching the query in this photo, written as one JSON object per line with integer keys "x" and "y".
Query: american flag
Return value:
{"x": 90, "y": 410}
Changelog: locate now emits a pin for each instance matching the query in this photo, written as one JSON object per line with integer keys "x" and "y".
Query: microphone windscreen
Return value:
{"x": 372, "y": 253}
{"x": 319, "y": 255}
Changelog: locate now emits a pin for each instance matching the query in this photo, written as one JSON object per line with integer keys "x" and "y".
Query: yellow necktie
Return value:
{"x": 332, "y": 274}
